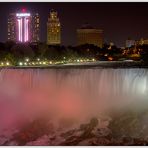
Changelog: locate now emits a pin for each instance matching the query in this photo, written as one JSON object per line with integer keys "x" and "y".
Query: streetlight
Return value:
{"x": 20, "y": 63}
{"x": 38, "y": 59}
{"x": 7, "y": 63}
{"x": 27, "y": 59}
{"x": 25, "y": 63}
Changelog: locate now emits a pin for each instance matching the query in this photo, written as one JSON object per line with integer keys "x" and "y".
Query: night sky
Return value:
{"x": 118, "y": 20}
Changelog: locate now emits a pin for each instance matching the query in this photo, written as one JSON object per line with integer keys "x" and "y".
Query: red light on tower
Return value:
{"x": 23, "y": 10}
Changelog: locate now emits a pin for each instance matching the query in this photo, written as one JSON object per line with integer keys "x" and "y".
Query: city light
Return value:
{"x": 20, "y": 63}
{"x": 21, "y": 32}
{"x": 7, "y": 63}
{"x": 23, "y": 26}
{"x": 22, "y": 14}
{"x": 27, "y": 30}
{"x": 27, "y": 59}
{"x": 25, "y": 63}
{"x": 19, "y": 25}
{"x": 20, "y": 29}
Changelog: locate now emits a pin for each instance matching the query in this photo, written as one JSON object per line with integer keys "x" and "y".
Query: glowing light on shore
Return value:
{"x": 20, "y": 63}
{"x": 25, "y": 63}
{"x": 7, "y": 63}
{"x": 27, "y": 59}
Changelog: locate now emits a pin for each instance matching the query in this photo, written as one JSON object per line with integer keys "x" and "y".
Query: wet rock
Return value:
{"x": 32, "y": 131}
{"x": 66, "y": 123}
{"x": 84, "y": 132}
{"x": 42, "y": 141}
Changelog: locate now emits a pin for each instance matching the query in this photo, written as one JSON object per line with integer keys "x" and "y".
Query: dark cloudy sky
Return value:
{"x": 118, "y": 20}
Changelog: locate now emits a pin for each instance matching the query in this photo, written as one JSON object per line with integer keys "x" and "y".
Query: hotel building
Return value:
{"x": 23, "y": 26}
{"x": 53, "y": 29}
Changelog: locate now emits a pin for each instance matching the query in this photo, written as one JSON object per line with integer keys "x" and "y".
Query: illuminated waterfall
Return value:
{"x": 67, "y": 92}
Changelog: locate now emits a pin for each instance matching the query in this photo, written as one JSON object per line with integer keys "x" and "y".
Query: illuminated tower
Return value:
{"x": 53, "y": 29}
{"x": 12, "y": 27}
{"x": 23, "y": 26}
{"x": 35, "y": 24}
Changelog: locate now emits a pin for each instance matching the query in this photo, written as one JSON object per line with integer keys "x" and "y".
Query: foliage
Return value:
{"x": 144, "y": 53}
{"x": 18, "y": 51}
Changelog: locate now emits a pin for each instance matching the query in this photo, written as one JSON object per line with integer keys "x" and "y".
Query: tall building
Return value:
{"x": 53, "y": 29}
{"x": 89, "y": 35}
{"x": 12, "y": 27}
{"x": 23, "y": 26}
{"x": 35, "y": 27}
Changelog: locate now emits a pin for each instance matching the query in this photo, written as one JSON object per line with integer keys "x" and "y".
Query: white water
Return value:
{"x": 26, "y": 94}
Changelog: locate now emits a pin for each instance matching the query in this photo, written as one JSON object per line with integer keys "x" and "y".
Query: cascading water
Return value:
{"x": 26, "y": 94}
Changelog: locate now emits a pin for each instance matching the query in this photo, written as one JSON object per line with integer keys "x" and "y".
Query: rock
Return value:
{"x": 42, "y": 141}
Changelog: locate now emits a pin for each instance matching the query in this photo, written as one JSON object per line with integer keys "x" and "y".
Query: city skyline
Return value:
{"x": 117, "y": 26}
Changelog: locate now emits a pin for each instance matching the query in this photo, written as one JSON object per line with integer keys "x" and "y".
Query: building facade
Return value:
{"x": 35, "y": 19}
{"x": 142, "y": 42}
{"x": 12, "y": 27}
{"x": 129, "y": 43}
{"x": 23, "y": 27}
{"x": 53, "y": 29}
{"x": 89, "y": 35}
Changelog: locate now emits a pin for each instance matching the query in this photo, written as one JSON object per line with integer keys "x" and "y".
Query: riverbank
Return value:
{"x": 87, "y": 65}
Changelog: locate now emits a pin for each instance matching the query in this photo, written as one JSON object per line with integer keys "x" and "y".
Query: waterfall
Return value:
{"x": 28, "y": 93}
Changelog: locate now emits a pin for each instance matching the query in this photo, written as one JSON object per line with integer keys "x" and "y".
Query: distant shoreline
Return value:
{"x": 88, "y": 65}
